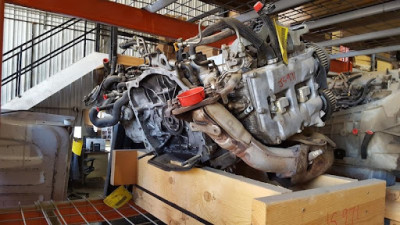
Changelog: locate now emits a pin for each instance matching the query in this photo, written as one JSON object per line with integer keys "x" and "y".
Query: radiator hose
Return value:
{"x": 115, "y": 114}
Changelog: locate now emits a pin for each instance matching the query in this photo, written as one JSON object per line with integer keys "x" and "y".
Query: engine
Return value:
{"x": 252, "y": 104}
{"x": 366, "y": 128}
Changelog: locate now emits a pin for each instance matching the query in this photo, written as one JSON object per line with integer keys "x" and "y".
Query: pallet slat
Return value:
{"x": 360, "y": 202}
{"x": 215, "y": 196}
{"x": 218, "y": 197}
{"x": 393, "y": 202}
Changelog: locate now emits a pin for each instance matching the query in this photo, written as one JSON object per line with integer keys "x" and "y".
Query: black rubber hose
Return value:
{"x": 110, "y": 80}
{"x": 107, "y": 67}
{"x": 359, "y": 99}
{"x": 116, "y": 113}
{"x": 120, "y": 86}
{"x": 272, "y": 34}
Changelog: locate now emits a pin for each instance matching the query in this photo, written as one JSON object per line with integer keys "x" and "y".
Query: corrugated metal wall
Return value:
{"x": 23, "y": 24}
{"x": 20, "y": 26}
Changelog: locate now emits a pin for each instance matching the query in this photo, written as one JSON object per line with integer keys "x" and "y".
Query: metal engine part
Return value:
{"x": 252, "y": 99}
{"x": 366, "y": 130}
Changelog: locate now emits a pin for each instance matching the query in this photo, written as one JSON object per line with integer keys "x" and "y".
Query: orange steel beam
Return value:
{"x": 120, "y": 15}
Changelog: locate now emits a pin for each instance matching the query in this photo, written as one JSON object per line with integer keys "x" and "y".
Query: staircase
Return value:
{"x": 32, "y": 71}
{"x": 56, "y": 82}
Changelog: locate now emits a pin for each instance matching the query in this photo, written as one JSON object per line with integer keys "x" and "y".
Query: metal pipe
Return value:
{"x": 280, "y": 6}
{"x": 158, "y": 5}
{"x": 209, "y": 13}
{"x": 94, "y": 207}
{"x": 22, "y": 213}
{"x": 46, "y": 217}
{"x": 355, "y": 14}
{"x": 58, "y": 211}
{"x": 366, "y": 52}
{"x": 361, "y": 37}
{"x": 79, "y": 212}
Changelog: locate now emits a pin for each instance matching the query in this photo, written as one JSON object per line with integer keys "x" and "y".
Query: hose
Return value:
{"x": 243, "y": 31}
{"x": 116, "y": 113}
{"x": 110, "y": 80}
{"x": 121, "y": 86}
{"x": 360, "y": 98}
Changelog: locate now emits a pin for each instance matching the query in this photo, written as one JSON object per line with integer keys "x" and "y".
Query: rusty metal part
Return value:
{"x": 319, "y": 165}
{"x": 286, "y": 162}
{"x": 235, "y": 138}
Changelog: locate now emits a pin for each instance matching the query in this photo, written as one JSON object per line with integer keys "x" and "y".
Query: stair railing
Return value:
{"x": 18, "y": 51}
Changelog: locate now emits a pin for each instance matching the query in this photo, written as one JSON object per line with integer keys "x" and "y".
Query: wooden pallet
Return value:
{"x": 215, "y": 197}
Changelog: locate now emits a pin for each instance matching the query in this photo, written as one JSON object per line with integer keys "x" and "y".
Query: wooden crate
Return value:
{"x": 211, "y": 196}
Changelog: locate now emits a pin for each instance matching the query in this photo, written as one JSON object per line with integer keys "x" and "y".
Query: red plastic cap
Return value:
{"x": 370, "y": 132}
{"x": 258, "y": 6}
{"x": 355, "y": 131}
{"x": 105, "y": 60}
{"x": 191, "y": 97}
{"x": 98, "y": 109}
{"x": 105, "y": 97}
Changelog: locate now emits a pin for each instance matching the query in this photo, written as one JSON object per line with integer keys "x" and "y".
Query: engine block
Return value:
{"x": 285, "y": 98}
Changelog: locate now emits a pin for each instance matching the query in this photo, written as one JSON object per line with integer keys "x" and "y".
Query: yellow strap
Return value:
{"x": 282, "y": 33}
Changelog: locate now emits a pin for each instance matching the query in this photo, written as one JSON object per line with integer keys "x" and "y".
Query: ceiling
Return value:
{"x": 318, "y": 9}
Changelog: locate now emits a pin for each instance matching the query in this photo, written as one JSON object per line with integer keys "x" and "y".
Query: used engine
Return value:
{"x": 366, "y": 129}
{"x": 251, "y": 106}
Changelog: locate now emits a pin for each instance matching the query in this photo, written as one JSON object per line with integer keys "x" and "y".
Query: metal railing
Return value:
{"x": 28, "y": 46}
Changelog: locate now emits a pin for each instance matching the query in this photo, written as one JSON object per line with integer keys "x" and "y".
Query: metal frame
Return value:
{"x": 85, "y": 211}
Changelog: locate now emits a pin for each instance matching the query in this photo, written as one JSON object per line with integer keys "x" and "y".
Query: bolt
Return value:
{"x": 261, "y": 110}
{"x": 278, "y": 140}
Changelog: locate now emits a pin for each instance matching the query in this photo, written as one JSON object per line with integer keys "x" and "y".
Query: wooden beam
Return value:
{"x": 361, "y": 202}
{"x": 123, "y": 167}
{"x": 393, "y": 202}
{"x": 164, "y": 212}
{"x": 129, "y": 60}
{"x": 394, "y": 222}
{"x": 215, "y": 196}
{"x": 326, "y": 181}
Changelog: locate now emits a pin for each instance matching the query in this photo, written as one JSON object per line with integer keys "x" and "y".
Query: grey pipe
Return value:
{"x": 355, "y": 14}
{"x": 158, "y": 5}
{"x": 361, "y": 37}
{"x": 392, "y": 48}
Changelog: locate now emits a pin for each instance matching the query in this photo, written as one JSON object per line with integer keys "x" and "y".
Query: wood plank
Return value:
{"x": 326, "y": 181}
{"x": 129, "y": 60}
{"x": 162, "y": 211}
{"x": 394, "y": 222}
{"x": 353, "y": 203}
{"x": 215, "y": 196}
{"x": 123, "y": 167}
{"x": 393, "y": 193}
{"x": 393, "y": 202}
